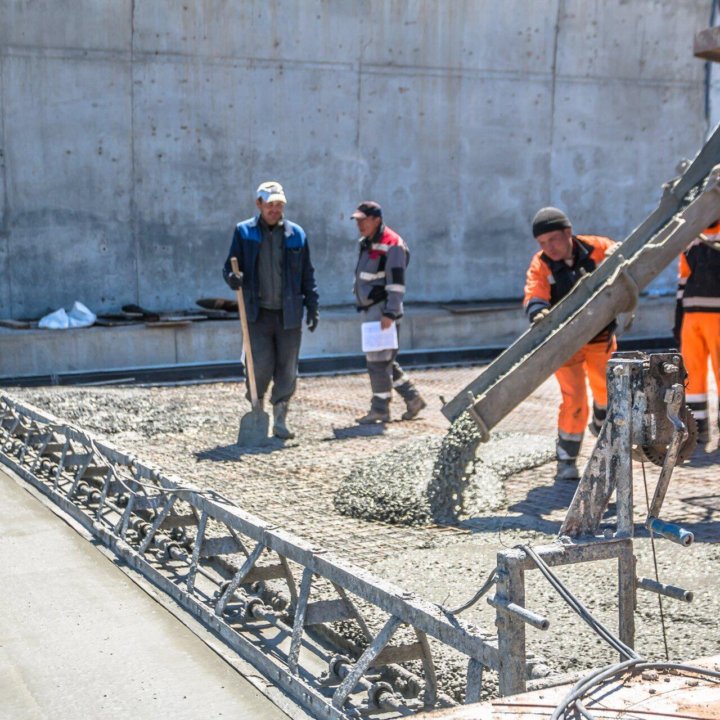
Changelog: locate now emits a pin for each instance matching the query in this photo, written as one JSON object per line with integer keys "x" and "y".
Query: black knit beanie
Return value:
{"x": 548, "y": 219}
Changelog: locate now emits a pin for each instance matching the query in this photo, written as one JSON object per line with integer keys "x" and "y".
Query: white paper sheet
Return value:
{"x": 375, "y": 339}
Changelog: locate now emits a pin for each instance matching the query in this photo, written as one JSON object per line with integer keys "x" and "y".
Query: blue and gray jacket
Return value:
{"x": 298, "y": 286}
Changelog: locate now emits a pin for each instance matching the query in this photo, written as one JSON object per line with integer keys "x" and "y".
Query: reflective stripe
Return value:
{"x": 372, "y": 276}
{"x": 713, "y": 302}
{"x": 382, "y": 396}
{"x": 679, "y": 294}
{"x": 697, "y": 398}
{"x": 382, "y": 247}
{"x": 395, "y": 288}
{"x": 699, "y": 414}
{"x": 575, "y": 437}
{"x": 401, "y": 380}
{"x": 562, "y": 454}
{"x": 536, "y": 299}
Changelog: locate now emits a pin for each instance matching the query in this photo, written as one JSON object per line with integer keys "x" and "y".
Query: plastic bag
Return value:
{"x": 57, "y": 320}
{"x": 78, "y": 317}
{"x": 81, "y": 316}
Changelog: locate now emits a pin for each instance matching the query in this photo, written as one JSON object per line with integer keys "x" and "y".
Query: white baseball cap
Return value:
{"x": 271, "y": 191}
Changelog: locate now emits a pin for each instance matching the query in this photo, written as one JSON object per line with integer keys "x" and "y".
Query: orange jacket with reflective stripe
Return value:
{"x": 548, "y": 281}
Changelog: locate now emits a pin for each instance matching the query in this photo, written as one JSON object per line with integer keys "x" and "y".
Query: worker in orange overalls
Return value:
{"x": 562, "y": 260}
{"x": 697, "y": 321}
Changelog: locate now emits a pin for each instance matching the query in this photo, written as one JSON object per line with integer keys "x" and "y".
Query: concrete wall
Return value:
{"x": 133, "y": 133}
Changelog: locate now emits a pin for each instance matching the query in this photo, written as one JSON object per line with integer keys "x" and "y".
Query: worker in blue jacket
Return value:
{"x": 277, "y": 279}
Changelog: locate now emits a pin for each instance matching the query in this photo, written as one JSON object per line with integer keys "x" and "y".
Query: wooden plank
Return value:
{"x": 706, "y": 44}
{"x": 472, "y": 308}
{"x": 15, "y": 324}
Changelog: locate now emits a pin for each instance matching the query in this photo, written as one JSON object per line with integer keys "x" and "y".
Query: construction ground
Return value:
{"x": 190, "y": 431}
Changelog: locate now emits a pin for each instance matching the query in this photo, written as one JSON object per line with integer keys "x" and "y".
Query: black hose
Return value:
{"x": 491, "y": 579}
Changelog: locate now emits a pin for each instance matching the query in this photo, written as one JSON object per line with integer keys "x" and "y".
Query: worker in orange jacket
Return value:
{"x": 562, "y": 260}
{"x": 697, "y": 321}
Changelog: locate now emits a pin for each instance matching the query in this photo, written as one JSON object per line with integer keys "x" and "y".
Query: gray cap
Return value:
{"x": 548, "y": 219}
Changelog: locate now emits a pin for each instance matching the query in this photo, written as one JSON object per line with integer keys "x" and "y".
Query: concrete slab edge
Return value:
{"x": 244, "y": 668}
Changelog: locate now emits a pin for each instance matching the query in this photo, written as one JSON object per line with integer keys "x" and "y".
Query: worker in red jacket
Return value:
{"x": 697, "y": 322}
{"x": 562, "y": 260}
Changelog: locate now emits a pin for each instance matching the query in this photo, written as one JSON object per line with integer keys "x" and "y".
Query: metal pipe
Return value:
{"x": 670, "y": 531}
{"x": 528, "y": 616}
{"x": 671, "y": 591}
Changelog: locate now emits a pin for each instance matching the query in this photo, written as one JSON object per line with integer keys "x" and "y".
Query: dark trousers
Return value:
{"x": 275, "y": 352}
{"x": 384, "y": 370}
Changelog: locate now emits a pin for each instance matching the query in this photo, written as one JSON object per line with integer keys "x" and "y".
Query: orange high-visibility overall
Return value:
{"x": 547, "y": 283}
{"x": 699, "y": 305}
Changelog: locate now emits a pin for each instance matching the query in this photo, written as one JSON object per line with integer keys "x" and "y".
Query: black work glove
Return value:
{"x": 313, "y": 317}
{"x": 234, "y": 280}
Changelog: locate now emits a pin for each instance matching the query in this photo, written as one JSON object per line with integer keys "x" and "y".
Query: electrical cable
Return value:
{"x": 657, "y": 575}
{"x": 489, "y": 582}
{"x": 577, "y": 606}
{"x": 612, "y": 672}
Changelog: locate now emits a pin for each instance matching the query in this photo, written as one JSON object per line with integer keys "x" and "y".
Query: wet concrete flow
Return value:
{"x": 367, "y": 495}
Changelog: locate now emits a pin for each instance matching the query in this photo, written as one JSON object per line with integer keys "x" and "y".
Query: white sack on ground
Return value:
{"x": 57, "y": 320}
{"x": 78, "y": 317}
{"x": 81, "y": 316}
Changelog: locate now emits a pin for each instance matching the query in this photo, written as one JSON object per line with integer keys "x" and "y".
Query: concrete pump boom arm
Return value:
{"x": 599, "y": 297}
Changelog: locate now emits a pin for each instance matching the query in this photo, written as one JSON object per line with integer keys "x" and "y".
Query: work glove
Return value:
{"x": 313, "y": 317}
{"x": 235, "y": 280}
{"x": 540, "y": 315}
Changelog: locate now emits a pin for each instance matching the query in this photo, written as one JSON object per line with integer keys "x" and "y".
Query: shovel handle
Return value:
{"x": 246, "y": 338}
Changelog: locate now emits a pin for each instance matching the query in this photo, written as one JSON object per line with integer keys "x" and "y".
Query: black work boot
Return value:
{"x": 379, "y": 412}
{"x": 414, "y": 406}
{"x": 703, "y": 431}
{"x": 567, "y": 470}
{"x": 566, "y": 452}
{"x": 280, "y": 426}
{"x": 598, "y": 418}
{"x": 408, "y": 392}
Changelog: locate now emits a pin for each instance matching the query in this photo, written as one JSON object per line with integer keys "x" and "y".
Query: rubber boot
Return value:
{"x": 280, "y": 426}
{"x": 566, "y": 452}
{"x": 597, "y": 420}
{"x": 703, "y": 431}
{"x": 567, "y": 470}
{"x": 379, "y": 412}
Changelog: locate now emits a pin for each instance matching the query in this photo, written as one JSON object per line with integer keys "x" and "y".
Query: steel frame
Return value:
{"x": 645, "y": 398}
{"x": 211, "y": 557}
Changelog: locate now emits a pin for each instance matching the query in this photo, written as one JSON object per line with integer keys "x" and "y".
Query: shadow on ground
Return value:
{"x": 354, "y": 431}
{"x": 225, "y": 453}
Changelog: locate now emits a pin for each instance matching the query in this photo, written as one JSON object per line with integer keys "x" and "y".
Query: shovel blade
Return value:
{"x": 254, "y": 427}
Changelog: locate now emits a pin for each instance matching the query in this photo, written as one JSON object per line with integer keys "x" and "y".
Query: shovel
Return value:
{"x": 254, "y": 424}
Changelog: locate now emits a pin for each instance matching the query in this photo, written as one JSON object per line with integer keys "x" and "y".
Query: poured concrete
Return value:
{"x": 394, "y": 487}
{"x": 78, "y": 639}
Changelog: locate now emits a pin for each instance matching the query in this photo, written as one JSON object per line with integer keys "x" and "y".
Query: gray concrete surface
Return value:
{"x": 132, "y": 133}
{"x": 189, "y": 431}
{"x": 425, "y": 327}
{"x": 78, "y": 639}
